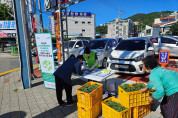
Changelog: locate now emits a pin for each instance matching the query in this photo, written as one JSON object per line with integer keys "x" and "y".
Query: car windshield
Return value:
{"x": 97, "y": 44}
{"x": 71, "y": 44}
{"x": 131, "y": 45}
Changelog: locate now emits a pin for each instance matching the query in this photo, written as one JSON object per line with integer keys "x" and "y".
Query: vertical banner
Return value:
{"x": 46, "y": 58}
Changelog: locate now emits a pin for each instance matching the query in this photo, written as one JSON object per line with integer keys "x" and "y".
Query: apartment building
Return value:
{"x": 121, "y": 28}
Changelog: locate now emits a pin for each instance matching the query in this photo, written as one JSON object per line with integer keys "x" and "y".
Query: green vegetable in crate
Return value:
{"x": 133, "y": 87}
{"x": 89, "y": 88}
{"x": 116, "y": 106}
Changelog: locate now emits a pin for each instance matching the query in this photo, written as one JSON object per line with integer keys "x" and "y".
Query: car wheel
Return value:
{"x": 72, "y": 56}
{"x": 105, "y": 63}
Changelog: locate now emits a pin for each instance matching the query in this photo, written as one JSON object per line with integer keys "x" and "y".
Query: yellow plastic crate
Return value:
{"x": 85, "y": 112}
{"x": 141, "y": 111}
{"x": 90, "y": 99}
{"x": 133, "y": 99}
{"x": 108, "y": 112}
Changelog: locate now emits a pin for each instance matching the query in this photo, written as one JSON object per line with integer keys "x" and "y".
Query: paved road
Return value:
{"x": 9, "y": 64}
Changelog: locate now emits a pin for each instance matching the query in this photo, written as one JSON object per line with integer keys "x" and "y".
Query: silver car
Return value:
{"x": 167, "y": 43}
{"x": 103, "y": 48}
{"x": 74, "y": 47}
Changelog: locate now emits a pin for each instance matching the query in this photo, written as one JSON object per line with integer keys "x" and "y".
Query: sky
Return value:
{"x": 108, "y": 10}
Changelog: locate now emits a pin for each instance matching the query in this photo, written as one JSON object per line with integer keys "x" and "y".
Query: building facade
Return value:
{"x": 164, "y": 23}
{"x": 120, "y": 28}
{"x": 81, "y": 24}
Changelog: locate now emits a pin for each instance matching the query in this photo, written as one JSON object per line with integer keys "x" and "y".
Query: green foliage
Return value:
{"x": 148, "y": 19}
{"x": 168, "y": 33}
{"x": 174, "y": 29}
{"x": 5, "y": 12}
{"x": 133, "y": 87}
{"x": 46, "y": 31}
{"x": 101, "y": 29}
{"x": 15, "y": 90}
{"x": 116, "y": 106}
{"x": 89, "y": 88}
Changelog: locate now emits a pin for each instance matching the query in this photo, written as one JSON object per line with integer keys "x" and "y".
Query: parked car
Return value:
{"x": 103, "y": 48}
{"x": 74, "y": 47}
{"x": 165, "y": 42}
{"x": 127, "y": 56}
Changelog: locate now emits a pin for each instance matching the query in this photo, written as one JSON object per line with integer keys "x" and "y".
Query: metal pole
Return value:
{"x": 67, "y": 33}
{"x": 41, "y": 17}
{"x": 21, "y": 22}
{"x": 61, "y": 30}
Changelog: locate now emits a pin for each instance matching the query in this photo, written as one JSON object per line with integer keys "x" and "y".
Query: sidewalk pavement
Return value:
{"x": 38, "y": 101}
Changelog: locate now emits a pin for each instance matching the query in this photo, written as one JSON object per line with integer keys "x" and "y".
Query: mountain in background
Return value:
{"x": 148, "y": 19}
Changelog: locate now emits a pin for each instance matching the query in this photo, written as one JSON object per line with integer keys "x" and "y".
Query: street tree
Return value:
{"x": 174, "y": 29}
{"x": 101, "y": 29}
{"x": 5, "y": 14}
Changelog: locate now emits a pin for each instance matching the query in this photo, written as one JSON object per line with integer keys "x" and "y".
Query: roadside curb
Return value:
{"x": 9, "y": 71}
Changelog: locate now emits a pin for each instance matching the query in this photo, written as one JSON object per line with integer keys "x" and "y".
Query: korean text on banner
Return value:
{"x": 46, "y": 58}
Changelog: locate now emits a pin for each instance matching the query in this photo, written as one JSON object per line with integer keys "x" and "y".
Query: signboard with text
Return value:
{"x": 79, "y": 14}
{"x": 46, "y": 58}
{"x": 7, "y": 25}
{"x": 7, "y": 33}
{"x": 164, "y": 57}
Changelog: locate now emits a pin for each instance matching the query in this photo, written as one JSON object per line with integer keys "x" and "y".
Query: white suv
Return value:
{"x": 127, "y": 56}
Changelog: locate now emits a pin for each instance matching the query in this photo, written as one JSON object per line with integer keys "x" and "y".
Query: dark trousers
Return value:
{"x": 60, "y": 85}
{"x": 169, "y": 106}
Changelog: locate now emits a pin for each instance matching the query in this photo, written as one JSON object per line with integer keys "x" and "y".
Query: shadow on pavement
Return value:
{"x": 137, "y": 78}
{"x": 37, "y": 84}
{"x": 14, "y": 114}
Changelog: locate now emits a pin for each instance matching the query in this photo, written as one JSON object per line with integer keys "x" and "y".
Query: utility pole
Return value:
{"x": 41, "y": 17}
{"x": 22, "y": 36}
{"x": 120, "y": 13}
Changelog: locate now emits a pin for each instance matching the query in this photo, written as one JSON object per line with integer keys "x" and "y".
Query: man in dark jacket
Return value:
{"x": 63, "y": 78}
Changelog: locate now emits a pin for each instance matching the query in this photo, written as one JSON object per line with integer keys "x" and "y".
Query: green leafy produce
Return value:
{"x": 89, "y": 88}
{"x": 133, "y": 87}
{"x": 116, "y": 106}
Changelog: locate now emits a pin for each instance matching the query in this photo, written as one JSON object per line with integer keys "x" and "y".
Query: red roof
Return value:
{"x": 167, "y": 17}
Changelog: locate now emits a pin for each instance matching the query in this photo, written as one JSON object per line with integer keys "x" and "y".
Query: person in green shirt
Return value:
{"x": 165, "y": 83}
{"x": 91, "y": 58}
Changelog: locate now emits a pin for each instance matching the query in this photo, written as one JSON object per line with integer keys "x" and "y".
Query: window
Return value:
{"x": 85, "y": 43}
{"x": 110, "y": 43}
{"x": 148, "y": 31}
{"x": 83, "y": 22}
{"x": 76, "y": 22}
{"x": 168, "y": 40}
{"x": 114, "y": 42}
{"x": 97, "y": 44}
{"x": 83, "y": 30}
{"x": 154, "y": 40}
{"x": 79, "y": 43}
{"x": 117, "y": 32}
{"x": 171, "y": 19}
{"x": 89, "y": 22}
{"x": 131, "y": 45}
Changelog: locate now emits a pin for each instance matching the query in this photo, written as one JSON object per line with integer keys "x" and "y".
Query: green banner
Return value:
{"x": 46, "y": 58}
{"x": 49, "y": 80}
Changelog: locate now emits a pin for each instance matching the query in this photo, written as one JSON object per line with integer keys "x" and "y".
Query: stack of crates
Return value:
{"x": 108, "y": 112}
{"x": 89, "y": 104}
{"x": 137, "y": 101}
